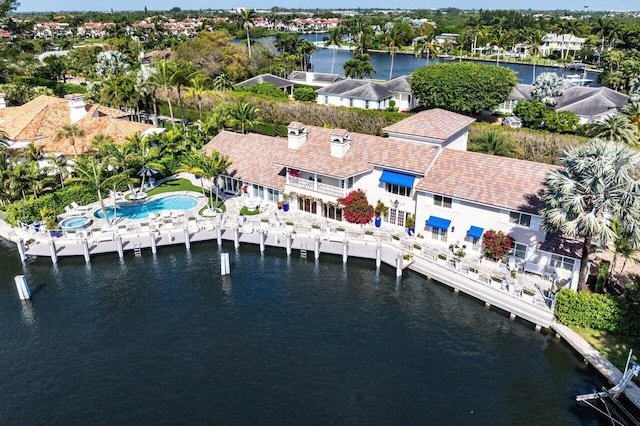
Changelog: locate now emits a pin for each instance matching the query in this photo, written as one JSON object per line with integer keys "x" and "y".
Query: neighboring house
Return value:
{"x": 566, "y": 44}
{"x": 366, "y": 94}
{"x": 281, "y": 83}
{"x": 40, "y": 120}
{"x": 421, "y": 169}
{"x": 316, "y": 79}
{"x": 588, "y": 103}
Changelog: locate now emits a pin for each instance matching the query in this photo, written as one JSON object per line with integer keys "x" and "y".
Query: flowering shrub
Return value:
{"x": 496, "y": 244}
{"x": 356, "y": 208}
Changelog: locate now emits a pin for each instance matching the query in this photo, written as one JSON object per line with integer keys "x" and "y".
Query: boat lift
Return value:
{"x": 611, "y": 407}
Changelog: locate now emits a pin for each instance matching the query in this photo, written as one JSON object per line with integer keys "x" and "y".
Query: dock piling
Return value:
{"x": 154, "y": 248}
{"x": 21, "y": 250}
{"x": 261, "y": 237}
{"x": 288, "y": 239}
{"x": 317, "y": 247}
{"x": 399, "y": 265}
{"x": 378, "y": 254}
{"x": 219, "y": 236}
{"x": 119, "y": 245}
{"x": 22, "y": 287}
{"x": 225, "y": 269}
{"x": 345, "y": 250}
{"x": 187, "y": 239}
{"x": 236, "y": 237}
{"x": 54, "y": 253}
{"x": 85, "y": 249}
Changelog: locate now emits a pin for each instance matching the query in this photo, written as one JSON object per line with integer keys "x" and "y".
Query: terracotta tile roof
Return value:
{"x": 487, "y": 179}
{"x": 434, "y": 123}
{"x": 41, "y": 118}
{"x": 254, "y": 157}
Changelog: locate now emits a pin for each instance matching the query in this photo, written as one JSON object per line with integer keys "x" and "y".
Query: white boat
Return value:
{"x": 578, "y": 80}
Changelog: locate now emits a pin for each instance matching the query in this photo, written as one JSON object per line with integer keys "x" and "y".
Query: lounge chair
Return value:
{"x": 76, "y": 206}
{"x": 68, "y": 209}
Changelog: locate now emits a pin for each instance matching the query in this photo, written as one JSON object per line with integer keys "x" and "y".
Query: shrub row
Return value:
{"x": 29, "y": 211}
{"x": 59, "y": 89}
{"x": 598, "y": 311}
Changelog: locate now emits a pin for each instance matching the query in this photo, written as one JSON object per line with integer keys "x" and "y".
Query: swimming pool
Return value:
{"x": 142, "y": 211}
{"x": 75, "y": 222}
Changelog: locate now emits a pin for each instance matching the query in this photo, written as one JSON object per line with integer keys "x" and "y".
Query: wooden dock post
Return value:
{"x": 219, "y": 236}
{"x": 54, "y": 253}
{"x": 236, "y": 237}
{"x": 119, "y": 245}
{"x": 345, "y": 250}
{"x": 399, "y": 265}
{"x": 378, "y": 254}
{"x": 187, "y": 239}
{"x": 85, "y": 249}
{"x": 288, "y": 238}
{"x": 317, "y": 247}
{"x": 21, "y": 250}
{"x": 261, "y": 237}
{"x": 154, "y": 248}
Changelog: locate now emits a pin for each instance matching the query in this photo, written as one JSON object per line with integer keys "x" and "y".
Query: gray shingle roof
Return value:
{"x": 266, "y": 78}
{"x": 398, "y": 84}
{"x": 354, "y": 88}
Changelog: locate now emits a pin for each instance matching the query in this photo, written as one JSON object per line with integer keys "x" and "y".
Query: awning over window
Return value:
{"x": 438, "y": 222}
{"x": 475, "y": 232}
{"x": 397, "y": 178}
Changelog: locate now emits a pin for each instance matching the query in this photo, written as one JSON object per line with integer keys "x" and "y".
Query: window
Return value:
{"x": 440, "y": 201}
{"x": 273, "y": 195}
{"x": 229, "y": 184}
{"x": 520, "y": 219}
{"x": 350, "y": 102}
{"x": 326, "y": 99}
{"x": 519, "y": 250}
{"x": 398, "y": 190}
{"x": 366, "y": 104}
{"x": 562, "y": 262}
{"x": 475, "y": 243}
{"x": 348, "y": 181}
{"x": 258, "y": 192}
{"x": 439, "y": 234}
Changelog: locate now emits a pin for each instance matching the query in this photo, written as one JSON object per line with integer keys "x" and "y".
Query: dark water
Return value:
{"x": 167, "y": 341}
{"x": 406, "y": 64}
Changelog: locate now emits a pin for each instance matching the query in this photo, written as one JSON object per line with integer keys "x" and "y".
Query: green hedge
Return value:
{"x": 60, "y": 89}
{"x": 29, "y": 211}
{"x": 598, "y": 311}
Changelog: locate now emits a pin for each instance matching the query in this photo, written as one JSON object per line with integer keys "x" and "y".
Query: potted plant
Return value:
{"x": 289, "y": 226}
{"x": 442, "y": 258}
{"x": 528, "y": 294}
{"x": 411, "y": 224}
{"x": 280, "y": 203}
{"x": 417, "y": 248}
{"x": 380, "y": 210}
{"x": 285, "y": 202}
{"x": 473, "y": 273}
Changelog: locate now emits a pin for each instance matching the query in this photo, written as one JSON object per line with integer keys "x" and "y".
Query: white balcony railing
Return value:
{"x": 323, "y": 188}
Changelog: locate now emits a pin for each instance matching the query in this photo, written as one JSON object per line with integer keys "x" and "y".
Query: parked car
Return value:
{"x": 512, "y": 121}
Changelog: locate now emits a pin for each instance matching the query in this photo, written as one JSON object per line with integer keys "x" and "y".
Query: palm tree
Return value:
{"x": 246, "y": 20}
{"x": 198, "y": 87}
{"x": 615, "y": 128}
{"x": 162, "y": 80}
{"x": 180, "y": 78}
{"x": 58, "y": 165}
{"x": 393, "y": 40}
{"x": 245, "y": 115}
{"x": 462, "y": 41}
{"x": 4, "y": 141}
{"x": 208, "y": 166}
{"x": 623, "y": 246}
{"x": 427, "y": 46}
{"x": 70, "y": 132}
{"x": 597, "y": 182}
{"x": 632, "y": 112}
{"x": 33, "y": 152}
{"x": 94, "y": 175}
{"x": 494, "y": 142}
{"x": 223, "y": 83}
{"x": 334, "y": 39}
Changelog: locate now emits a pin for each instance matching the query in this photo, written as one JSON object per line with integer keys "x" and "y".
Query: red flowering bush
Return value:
{"x": 496, "y": 245}
{"x": 356, "y": 208}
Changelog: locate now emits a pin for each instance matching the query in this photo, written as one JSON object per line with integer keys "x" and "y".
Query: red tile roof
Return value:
{"x": 434, "y": 123}
{"x": 487, "y": 179}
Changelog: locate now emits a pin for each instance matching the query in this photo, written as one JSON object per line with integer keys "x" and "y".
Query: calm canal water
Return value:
{"x": 281, "y": 341}
{"x": 406, "y": 64}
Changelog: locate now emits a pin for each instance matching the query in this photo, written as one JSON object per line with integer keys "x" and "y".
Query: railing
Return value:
{"x": 324, "y": 188}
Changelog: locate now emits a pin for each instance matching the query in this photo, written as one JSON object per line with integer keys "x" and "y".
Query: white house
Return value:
{"x": 421, "y": 169}
{"x": 366, "y": 94}
{"x": 566, "y": 44}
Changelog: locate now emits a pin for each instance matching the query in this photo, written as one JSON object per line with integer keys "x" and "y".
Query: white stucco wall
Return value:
{"x": 334, "y": 100}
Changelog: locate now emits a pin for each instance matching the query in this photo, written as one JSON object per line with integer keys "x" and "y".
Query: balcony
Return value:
{"x": 311, "y": 185}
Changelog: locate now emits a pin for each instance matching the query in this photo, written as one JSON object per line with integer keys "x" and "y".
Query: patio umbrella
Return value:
{"x": 146, "y": 172}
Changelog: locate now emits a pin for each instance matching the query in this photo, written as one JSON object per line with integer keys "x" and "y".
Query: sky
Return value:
{"x": 104, "y": 5}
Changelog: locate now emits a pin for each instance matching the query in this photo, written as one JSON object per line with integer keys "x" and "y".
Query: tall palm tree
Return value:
{"x": 70, "y": 132}
{"x": 246, "y": 19}
{"x": 597, "y": 182}
{"x": 208, "y": 166}
{"x": 180, "y": 78}
{"x": 394, "y": 41}
{"x": 334, "y": 39}
{"x": 198, "y": 86}
{"x": 58, "y": 165}
{"x": 462, "y": 41}
{"x": 615, "y": 128}
{"x": 245, "y": 115}
{"x": 94, "y": 175}
{"x": 162, "y": 80}
{"x": 427, "y": 46}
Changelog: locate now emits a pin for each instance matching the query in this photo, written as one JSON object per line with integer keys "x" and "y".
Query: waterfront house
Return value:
{"x": 315, "y": 79}
{"x": 280, "y": 83}
{"x": 588, "y": 103}
{"x": 40, "y": 119}
{"x": 566, "y": 44}
{"x": 422, "y": 169}
{"x": 366, "y": 94}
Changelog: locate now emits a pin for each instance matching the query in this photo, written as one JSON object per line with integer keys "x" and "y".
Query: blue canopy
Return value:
{"x": 438, "y": 222}
{"x": 475, "y": 232}
{"x": 397, "y": 178}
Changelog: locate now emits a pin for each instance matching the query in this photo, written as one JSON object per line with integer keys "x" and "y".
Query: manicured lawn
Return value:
{"x": 182, "y": 185}
{"x": 613, "y": 346}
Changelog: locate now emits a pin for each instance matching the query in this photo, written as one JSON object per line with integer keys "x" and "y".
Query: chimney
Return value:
{"x": 296, "y": 134}
{"x": 3, "y": 100}
{"x": 340, "y": 142}
{"x": 76, "y": 107}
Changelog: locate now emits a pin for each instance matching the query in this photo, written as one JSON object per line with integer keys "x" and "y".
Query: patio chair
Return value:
{"x": 78, "y": 207}
{"x": 68, "y": 209}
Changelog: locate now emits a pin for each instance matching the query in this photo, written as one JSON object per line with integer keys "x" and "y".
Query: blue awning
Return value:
{"x": 397, "y": 178}
{"x": 438, "y": 222}
{"x": 475, "y": 232}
